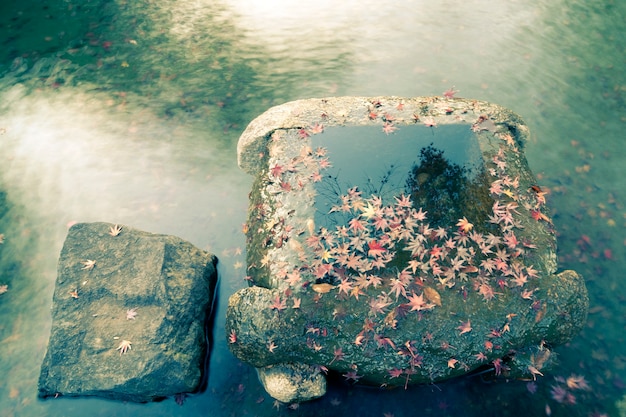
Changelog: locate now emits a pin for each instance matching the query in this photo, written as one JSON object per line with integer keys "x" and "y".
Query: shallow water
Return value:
{"x": 129, "y": 112}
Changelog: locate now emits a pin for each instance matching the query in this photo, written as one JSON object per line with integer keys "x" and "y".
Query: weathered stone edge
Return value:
{"x": 355, "y": 110}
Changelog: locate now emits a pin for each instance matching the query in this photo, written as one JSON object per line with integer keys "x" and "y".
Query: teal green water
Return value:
{"x": 130, "y": 111}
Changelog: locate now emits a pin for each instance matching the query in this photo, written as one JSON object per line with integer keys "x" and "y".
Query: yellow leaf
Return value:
{"x": 369, "y": 211}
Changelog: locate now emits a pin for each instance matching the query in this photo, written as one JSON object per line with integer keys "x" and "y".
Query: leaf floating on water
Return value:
{"x": 310, "y": 225}
{"x": 322, "y": 288}
{"x": 432, "y": 295}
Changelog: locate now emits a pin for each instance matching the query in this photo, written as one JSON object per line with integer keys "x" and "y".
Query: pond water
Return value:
{"x": 130, "y": 111}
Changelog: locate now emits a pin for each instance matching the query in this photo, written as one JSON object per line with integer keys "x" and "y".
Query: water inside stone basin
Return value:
{"x": 130, "y": 112}
{"x": 418, "y": 161}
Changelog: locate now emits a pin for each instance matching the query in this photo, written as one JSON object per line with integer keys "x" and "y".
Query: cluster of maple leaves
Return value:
{"x": 360, "y": 253}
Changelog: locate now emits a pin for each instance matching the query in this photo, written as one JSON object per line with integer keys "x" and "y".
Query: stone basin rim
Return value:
{"x": 354, "y": 111}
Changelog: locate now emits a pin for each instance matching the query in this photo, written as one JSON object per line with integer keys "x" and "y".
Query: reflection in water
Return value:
{"x": 450, "y": 191}
{"x": 389, "y": 165}
{"x": 129, "y": 112}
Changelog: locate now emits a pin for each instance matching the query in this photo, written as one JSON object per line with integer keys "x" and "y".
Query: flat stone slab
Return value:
{"x": 398, "y": 241}
{"x": 129, "y": 315}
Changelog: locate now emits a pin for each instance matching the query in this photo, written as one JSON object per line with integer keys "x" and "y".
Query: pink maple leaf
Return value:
{"x": 511, "y": 240}
{"x": 496, "y": 187}
{"x": 419, "y": 215}
{"x": 316, "y": 128}
{"x": 520, "y": 279}
{"x": 320, "y": 152}
{"x": 398, "y": 287}
{"x": 278, "y": 304}
{"x": 374, "y": 280}
{"x": 352, "y": 375}
{"x": 384, "y": 341}
{"x": 389, "y": 128}
{"x": 486, "y": 291}
{"x": 316, "y": 177}
{"x": 450, "y": 92}
{"x": 430, "y": 122}
{"x": 498, "y": 366}
{"x": 353, "y": 261}
{"x": 325, "y": 163}
{"x": 285, "y": 186}
{"x": 404, "y": 201}
{"x": 465, "y": 327}
{"x": 356, "y": 224}
{"x": 528, "y": 294}
{"x": 378, "y": 305}
{"x": 338, "y": 355}
{"x": 277, "y": 170}
{"x": 532, "y": 272}
{"x": 417, "y": 302}
{"x": 345, "y": 286}
{"x": 380, "y": 222}
{"x": 322, "y": 270}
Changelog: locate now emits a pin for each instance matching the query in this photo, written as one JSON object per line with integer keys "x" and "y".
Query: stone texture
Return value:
{"x": 170, "y": 285}
{"x": 292, "y": 382}
{"x": 426, "y": 300}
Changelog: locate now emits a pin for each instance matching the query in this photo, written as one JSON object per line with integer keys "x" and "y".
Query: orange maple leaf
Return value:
{"x": 465, "y": 225}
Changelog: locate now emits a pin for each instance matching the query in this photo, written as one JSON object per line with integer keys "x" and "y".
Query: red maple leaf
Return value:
{"x": 375, "y": 249}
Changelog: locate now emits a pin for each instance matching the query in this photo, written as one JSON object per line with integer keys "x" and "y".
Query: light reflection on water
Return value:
{"x": 129, "y": 112}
